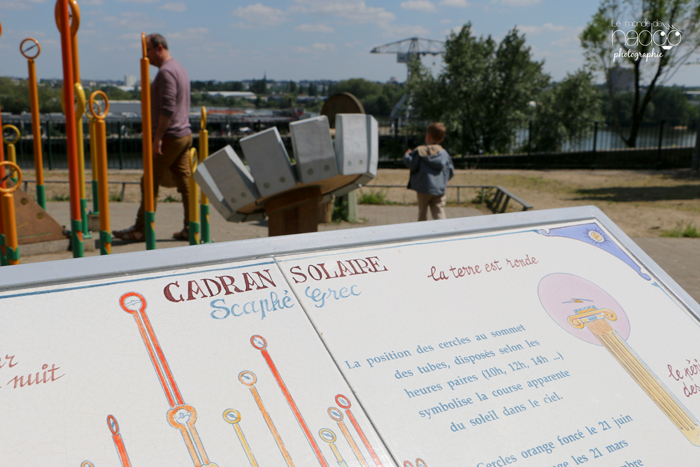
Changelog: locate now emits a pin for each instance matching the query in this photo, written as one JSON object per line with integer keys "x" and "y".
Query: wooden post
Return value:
{"x": 293, "y": 212}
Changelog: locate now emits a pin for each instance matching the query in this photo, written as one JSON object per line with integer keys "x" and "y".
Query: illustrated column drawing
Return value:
{"x": 234, "y": 417}
{"x": 249, "y": 379}
{"x": 261, "y": 344}
{"x": 337, "y": 415}
{"x": 344, "y": 403}
{"x": 118, "y": 441}
{"x": 329, "y": 437}
{"x": 180, "y": 416}
{"x": 591, "y": 314}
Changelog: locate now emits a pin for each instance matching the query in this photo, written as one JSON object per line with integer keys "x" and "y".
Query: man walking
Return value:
{"x": 172, "y": 137}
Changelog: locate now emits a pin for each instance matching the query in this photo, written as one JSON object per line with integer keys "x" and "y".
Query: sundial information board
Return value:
{"x": 531, "y": 339}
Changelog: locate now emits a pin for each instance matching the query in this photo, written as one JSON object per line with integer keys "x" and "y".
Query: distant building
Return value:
{"x": 621, "y": 79}
{"x": 130, "y": 80}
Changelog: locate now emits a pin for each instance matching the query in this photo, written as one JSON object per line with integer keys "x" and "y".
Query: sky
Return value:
{"x": 288, "y": 40}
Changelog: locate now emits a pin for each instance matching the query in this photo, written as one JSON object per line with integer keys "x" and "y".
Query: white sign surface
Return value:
{"x": 527, "y": 347}
{"x": 210, "y": 366}
{"x": 548, "y": 340}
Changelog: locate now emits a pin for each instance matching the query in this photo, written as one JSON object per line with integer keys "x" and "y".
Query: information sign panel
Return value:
{"x": 537, "y": 338}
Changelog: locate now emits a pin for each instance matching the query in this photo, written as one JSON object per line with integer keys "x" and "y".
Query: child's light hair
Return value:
{"x": 436, "y": 131}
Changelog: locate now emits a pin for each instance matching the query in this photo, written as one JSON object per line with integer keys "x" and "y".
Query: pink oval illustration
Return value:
{"x": 562, "y": 294}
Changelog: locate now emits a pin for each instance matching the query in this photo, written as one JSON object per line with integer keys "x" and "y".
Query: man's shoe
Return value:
{"x": 183, "y": 235}
{"x": 130, "y": 235}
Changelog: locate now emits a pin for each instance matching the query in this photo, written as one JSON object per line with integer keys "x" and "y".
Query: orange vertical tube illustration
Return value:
{"x": 344, "y": 403}
{"x": 147, "y": 140}
{"x": 337, "y": 415}
{"x": 261, "y": 344}
{"x": 118, "y": 441}
{"x": 31, "y": 49}
{"x": 180, "y": 416}
{"x": 249, "y": 379}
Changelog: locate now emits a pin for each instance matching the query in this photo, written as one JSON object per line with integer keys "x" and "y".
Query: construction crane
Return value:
{"x": 406, "y": 50}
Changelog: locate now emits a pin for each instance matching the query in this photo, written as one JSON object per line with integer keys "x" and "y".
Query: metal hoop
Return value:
{"x": 24, "y": 52}
{"x": 92, "y": 105}
{"x": 74, "y": 10}
{"x": 13, "y": 128}
{"x": 19, "y": 177}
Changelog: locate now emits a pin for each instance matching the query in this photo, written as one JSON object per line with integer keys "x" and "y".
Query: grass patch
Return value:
{"x": 171, "y": 199}
{"x": 115, "y": 197}
{"x": 681, "y": 229}
{"x": 60, "y": 197}
{"x": 374, "y": 197}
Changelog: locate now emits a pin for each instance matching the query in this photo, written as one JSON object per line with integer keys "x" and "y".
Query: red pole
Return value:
{"x": 71, "y": 143}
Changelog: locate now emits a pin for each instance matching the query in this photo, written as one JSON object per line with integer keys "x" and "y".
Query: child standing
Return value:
{"x": 431, "y": 168}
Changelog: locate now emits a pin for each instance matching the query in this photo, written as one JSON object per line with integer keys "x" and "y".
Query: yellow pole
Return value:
{"x": 8, "y": 216}
{"x": 100, "y": 138}
{"x": 26, "y": 48}
{"x": 194, "y": 201}
{"x": 79, "y": 111}
{"x": 11, "y": 152}
{"x": 93, "y": 167}
{"x": 204, "y": 201}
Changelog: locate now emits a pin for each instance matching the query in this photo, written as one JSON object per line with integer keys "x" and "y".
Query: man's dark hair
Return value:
{"x": 157, "y": 39}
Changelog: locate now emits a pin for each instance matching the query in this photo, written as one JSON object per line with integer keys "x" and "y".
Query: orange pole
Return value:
{"x": 147, "y": 137}
{"x": 100, "y": 130}
{"x": 8, "y": 217}
{"x": 36, "y": 124}
{"x": 71, "y": 143}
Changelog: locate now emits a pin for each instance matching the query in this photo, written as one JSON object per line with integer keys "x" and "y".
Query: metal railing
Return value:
{"x": 87, "y": 182}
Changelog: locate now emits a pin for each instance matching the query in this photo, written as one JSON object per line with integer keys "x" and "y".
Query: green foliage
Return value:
{"x": 483, "y": 91}
{"x": 670, "y": 104}
{"x": 14, "y": 96}
{"x": 60, "y": 197}
{"x": 377, "y": 99}
{"x": 116, "y": 94}
{"x": 216, "y": 86}
{"x": 564, "y": 110}
{"x": 373, "y": 197}
{"x": 171, "y": 199}
{"x": 340, "y": 210}
{"x": 601, "y": 40}
{"x": 259, "y": 87}
{"x": 682, "y": 229}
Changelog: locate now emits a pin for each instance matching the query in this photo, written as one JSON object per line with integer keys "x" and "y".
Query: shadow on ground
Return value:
{"x": 647, "y": 193}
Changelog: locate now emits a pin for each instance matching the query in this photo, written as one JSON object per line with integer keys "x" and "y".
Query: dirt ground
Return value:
{"x": 642, "y": 203}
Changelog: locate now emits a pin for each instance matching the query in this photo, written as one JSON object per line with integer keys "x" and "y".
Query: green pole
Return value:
{"x": 3, "y": 257}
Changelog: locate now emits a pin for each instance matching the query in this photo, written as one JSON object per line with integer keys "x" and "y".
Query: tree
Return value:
{"x": 565, "y": 110}
{"x": 670, "y": 104}
{"x": 653, "y": 38}
{"x": 483, "y": 90}
{"x": 259, "y": 87}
